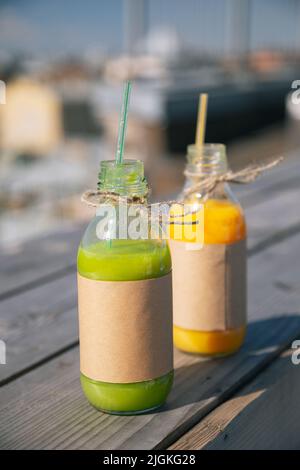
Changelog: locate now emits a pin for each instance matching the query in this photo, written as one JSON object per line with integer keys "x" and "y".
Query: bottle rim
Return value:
{"x": 209, "y": 159}
{"x": 126, "y": 178}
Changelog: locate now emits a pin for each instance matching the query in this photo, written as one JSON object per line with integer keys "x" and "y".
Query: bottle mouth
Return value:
{"x": 126, "y": 178}
{"x": 207, "y": 160}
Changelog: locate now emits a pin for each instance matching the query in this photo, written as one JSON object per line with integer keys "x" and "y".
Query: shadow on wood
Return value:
{"x": 263, "y": 415}
{"x": 263, "y": 340}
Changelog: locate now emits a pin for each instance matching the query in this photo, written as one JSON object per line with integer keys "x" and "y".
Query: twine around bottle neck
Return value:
{"x": 208, "y": 183}
{"x": 96, "y": 197}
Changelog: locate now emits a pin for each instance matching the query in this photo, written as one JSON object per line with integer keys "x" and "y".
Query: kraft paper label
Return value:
{"x": 209, "y": 286}
{"x": 125, "y": 329}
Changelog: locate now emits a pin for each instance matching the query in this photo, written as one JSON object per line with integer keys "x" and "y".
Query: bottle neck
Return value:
{"x": 210, "y": 160}
{"x": 126, "y": 179}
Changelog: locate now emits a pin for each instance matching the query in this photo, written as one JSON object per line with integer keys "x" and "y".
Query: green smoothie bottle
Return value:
{"x": 125, "y": 301}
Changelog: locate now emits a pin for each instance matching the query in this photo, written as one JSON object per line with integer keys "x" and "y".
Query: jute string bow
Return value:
{"x": 206, "y": 185}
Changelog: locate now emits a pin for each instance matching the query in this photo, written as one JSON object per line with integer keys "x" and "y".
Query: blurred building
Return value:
{"x": 31, "y": 120}
{"x": 217, "y": 28}
{"x": 64, "y": 65}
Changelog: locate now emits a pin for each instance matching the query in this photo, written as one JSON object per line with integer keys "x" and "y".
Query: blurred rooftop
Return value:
{"x": 63, "y": 64}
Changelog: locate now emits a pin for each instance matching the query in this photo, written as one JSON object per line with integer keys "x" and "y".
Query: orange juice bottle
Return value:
{"x": 209, "y": 280}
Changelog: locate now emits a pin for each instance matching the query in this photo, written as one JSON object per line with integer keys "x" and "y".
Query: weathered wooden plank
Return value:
{"x": 273, "y": 219}
{"x": 269, "y": 202}
{"x": 38, "y": 261}
{"x": 263, "y": 415}
{"x": 37, "y": 324}
{"x": 45, "y": 408}
{"x": 44, "y": 324}
{"x": 41, "y": 321}
{"x": 280, "y": 179}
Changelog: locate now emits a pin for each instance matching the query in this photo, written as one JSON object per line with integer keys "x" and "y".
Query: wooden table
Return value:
{"x": 249, "y": 400}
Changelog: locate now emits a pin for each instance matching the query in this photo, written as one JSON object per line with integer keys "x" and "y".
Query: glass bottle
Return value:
{"x": 116, "y": 259}
{"x": 224, "y": 227}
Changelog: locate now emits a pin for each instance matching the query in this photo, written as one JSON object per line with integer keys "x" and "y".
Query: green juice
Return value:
{"x": 125, "y": 260}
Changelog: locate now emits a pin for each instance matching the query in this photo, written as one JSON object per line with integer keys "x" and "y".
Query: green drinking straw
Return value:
{"x": 123, "y": 123}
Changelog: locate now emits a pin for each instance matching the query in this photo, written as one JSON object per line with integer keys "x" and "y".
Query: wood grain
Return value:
{"x": 263, "y": 415}
{"x": 39, "y": 261}
{"x": 42, "y": 321}
{"x": 46, "y": 409}
{"x": 38, "y": 323}
{"x": 282, "y": 178}
{"x": 43, "y": 406}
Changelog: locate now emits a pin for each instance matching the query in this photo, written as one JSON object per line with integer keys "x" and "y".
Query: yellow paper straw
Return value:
{"x": 201, "y": 120}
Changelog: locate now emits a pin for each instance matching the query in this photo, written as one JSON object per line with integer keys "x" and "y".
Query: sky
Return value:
{"x": 73, "y": 26}
{"x": 60, "y": 25}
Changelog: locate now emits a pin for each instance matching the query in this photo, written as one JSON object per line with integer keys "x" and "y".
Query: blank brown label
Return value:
{"x": 209, "y": 286}
{"x": 125, "y": 329}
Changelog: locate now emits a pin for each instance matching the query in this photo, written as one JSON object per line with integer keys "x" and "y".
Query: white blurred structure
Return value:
{"x": 2, "y": 92}
{"x": 293, "y": 121}
{"x": 163, "y": 42}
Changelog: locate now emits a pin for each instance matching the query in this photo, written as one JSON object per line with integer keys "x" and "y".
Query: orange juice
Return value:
{"x": 224, "y": 225}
